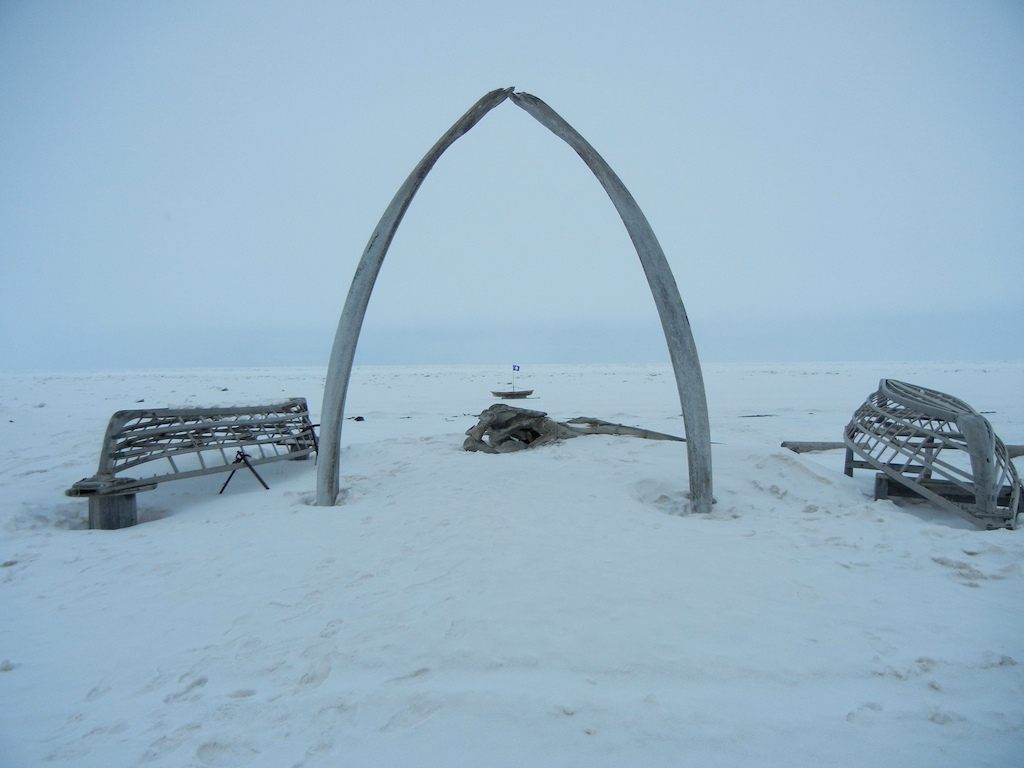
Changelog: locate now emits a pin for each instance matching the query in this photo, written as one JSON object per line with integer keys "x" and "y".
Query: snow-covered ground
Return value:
{"x": 554, "y": 607}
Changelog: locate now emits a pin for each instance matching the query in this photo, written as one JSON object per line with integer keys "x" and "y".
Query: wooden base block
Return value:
{"x": 109, "y": 513}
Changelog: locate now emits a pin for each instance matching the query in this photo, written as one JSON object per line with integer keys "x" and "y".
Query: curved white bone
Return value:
{"x": 676, "y": 325}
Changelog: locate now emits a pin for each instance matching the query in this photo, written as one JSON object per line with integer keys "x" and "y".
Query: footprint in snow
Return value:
{"x": 185, "y": 693}
{"x": 661, "y": 496}
{"x": 941, "y": 717}
{"x": 965, "y": 572}
{"x": 864, "y": 713}
{"x": 318, "y": 671}
{"x": 224, "y": 754}
{"x": 416, "y": 713}
{"x": 411, "y": 675}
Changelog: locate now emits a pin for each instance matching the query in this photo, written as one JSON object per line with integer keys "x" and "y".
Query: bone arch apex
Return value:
{"x": 674, "y": 322}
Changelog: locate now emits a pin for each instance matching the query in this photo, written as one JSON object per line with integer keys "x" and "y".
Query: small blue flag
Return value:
{"x": 515, "y": 367}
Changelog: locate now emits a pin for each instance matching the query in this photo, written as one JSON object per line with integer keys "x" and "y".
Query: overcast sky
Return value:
{"x": 193, "y": 183}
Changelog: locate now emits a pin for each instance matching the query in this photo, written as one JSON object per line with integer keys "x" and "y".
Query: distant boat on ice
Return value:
{"x": 514, "y": 394}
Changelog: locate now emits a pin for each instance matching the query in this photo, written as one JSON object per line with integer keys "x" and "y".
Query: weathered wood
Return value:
{"x": 914, "y": 435}
{"x": 811, "y": 446}
{"x": 886, "y": 488}
{"x": 170, "y": 437}
{"x": 109, "y": 513}
{"x": 675, "y": 324}
{"x": 1013, "y": 451}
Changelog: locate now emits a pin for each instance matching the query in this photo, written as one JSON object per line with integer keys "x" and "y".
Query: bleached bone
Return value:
{"x": 675, "y": 324}
{"x": 505, "y": 428}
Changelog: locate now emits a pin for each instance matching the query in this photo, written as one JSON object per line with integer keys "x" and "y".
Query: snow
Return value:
{"x": 556, "y": 607}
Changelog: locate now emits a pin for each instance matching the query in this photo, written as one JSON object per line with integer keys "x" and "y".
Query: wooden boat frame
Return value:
{"x": 918, "y": 437}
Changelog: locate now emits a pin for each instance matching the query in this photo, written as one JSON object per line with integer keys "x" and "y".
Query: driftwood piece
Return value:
{"x": 814, "y": 446}
{"x": 504, "y": 429}
{"x": 811, "y": 446}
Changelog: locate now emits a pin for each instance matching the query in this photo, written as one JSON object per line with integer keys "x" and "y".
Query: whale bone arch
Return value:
{"x": 674, "y": 322}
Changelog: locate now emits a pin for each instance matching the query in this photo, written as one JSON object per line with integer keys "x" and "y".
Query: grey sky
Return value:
{"x": 192, "y": 183}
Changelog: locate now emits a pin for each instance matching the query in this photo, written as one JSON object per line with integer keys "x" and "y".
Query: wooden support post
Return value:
{"x": 110, "y": 512}
{"x": 881, "y": 486}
